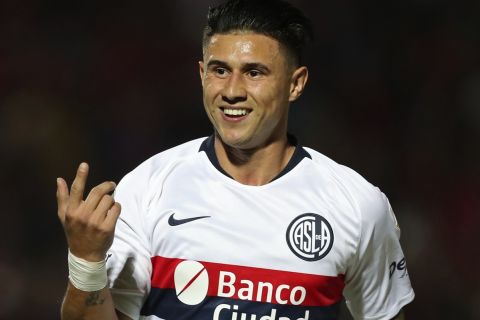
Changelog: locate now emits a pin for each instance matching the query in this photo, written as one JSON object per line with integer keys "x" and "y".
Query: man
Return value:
{"x": 245, "y": 224}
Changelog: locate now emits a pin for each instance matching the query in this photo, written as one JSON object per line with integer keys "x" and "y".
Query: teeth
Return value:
{"x": 235, "y": 112}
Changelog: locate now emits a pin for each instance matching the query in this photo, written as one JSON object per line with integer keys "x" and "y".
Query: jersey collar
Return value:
{"x": 298, "y": 155}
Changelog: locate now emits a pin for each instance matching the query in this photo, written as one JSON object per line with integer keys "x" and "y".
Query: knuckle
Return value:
{"x": 96, "y": 191}
{"x": 93, "y": 227}
{"x": 100, "y": 190}
{"x": 109, "y": 185}
{"x": 67, "y": 219}
{"x": 116, "y": 207}
{"x": 108, "y": 198}
{"x": 104, "y": 230}
{"x": 82, "y": 221}
{"x": 69, "y": 215}
{"x": 75, "y": 188}
{"x": 75, "y": 222}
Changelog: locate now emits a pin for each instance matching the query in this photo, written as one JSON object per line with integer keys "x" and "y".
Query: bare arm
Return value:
{"x": 89, "y": 226}
{"x": 88, "y": 305}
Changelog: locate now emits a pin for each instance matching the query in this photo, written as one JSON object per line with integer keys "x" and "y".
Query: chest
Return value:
{"x": 293, "y": 226}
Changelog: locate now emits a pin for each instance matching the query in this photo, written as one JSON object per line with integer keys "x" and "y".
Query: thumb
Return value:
{"x": 62, "y": 199}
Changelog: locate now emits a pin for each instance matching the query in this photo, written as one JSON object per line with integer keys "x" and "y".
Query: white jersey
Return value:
{"x": 193, "y": 243}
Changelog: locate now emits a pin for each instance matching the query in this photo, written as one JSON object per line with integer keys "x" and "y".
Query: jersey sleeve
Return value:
{"x": 128, "y": 264}
{"x": 377, "y": 281}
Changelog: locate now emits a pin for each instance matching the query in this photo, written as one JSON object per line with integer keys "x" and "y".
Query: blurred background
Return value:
{"x": 394, "y": 93}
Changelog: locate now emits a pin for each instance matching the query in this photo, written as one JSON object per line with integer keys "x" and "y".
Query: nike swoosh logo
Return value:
{"x": 176, "y": 222}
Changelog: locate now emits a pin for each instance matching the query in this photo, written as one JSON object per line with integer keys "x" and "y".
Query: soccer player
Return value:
{"x": 245, "y": 224}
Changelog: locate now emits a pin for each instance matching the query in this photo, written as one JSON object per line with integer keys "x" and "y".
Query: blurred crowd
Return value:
{"x": 394, "y": 93}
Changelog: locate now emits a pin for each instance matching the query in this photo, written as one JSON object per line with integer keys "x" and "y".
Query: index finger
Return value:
{"x": 62, "y": 198}
{"x": 78, "y": 185}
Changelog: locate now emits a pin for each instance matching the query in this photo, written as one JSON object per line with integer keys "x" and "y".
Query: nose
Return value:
{"x": 234, "y": 90}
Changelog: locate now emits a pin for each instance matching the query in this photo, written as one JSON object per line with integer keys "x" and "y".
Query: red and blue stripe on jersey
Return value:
{"x": 241, "y": 293}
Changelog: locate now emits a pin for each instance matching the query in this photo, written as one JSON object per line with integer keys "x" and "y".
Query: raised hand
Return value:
{"x": 89, "y": 224}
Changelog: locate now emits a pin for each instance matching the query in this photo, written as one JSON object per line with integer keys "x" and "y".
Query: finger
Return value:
{"x": 112, "y": 216}
{"x": 62, "y": 198}
{"x": 97, "y": 193}
{"x": 78, "y": 186}
{"x": 105, "y": 204}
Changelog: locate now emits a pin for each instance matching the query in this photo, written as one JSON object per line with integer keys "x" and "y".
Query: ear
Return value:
{"x": 201, "y": 70}
{"x": 299, "y": 80}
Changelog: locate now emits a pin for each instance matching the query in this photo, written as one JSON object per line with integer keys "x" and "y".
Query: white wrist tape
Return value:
{"x": 86, "y": 275}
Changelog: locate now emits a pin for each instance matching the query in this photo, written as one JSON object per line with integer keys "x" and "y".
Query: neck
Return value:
{"x": 254, "y": 166}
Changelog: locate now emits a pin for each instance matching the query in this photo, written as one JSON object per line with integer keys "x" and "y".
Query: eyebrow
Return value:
{"x": 217, "y": 63}
{"x": 256, "y": 65}
{"x": 245, "y": 67}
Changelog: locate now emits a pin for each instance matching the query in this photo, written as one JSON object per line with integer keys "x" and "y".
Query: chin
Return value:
{"x": 235, "y": 140}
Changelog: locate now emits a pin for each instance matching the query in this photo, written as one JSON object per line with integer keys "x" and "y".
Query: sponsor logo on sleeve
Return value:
{"x": 310, "y": 237}
{"x": 399, "y": 267}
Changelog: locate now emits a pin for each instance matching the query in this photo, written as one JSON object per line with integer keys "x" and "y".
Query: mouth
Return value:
{"x": 235, "y": 113}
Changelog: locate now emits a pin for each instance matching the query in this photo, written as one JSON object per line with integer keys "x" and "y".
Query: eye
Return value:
{"x": 254, "y": 73}
{"x": 221, "y": 72}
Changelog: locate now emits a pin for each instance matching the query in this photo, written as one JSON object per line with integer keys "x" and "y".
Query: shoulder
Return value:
{"x": 157, "y": 167}
{"x": 370, "y": 204}
{"x": 341, "y": 175}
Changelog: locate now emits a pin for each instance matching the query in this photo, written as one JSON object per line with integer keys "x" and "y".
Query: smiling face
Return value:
{"x": 248, "y": 82}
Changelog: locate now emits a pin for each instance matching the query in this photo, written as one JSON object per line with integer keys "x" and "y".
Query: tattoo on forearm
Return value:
{"x": 93, "y": 299}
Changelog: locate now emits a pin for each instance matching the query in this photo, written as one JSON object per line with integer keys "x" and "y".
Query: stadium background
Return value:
{"x": 394, "y": 93}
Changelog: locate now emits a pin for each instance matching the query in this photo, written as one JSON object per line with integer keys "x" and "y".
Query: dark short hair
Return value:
{"x": 275, "y": 18}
